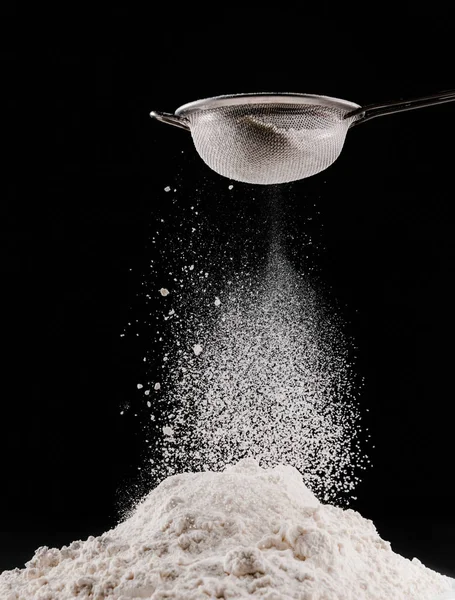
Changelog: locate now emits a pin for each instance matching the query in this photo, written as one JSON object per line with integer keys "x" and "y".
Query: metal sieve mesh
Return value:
{"x": 269, "y": 143}
{"x": 275, "y": 138}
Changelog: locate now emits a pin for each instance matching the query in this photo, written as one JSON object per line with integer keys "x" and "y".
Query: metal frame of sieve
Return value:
{"x": 270, "y": 138}
{"x": 179, "y": 118}
{"x": 362, "y": 114}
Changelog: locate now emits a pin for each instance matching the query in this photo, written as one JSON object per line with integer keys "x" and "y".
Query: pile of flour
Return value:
{"x": 244, "y": 532}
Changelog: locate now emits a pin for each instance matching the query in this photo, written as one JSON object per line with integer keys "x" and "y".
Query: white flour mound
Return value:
{"x": 245, "y": 532}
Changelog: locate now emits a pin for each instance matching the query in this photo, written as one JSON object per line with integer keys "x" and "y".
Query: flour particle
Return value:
{"x": 197, "y": 349}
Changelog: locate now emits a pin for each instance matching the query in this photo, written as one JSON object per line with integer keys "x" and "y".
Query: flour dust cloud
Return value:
{"x": 254, "y": 362}
{"x": 271, "y": 380}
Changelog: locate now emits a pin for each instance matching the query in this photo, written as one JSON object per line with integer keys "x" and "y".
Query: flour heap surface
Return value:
{"x": 245, "y": 532}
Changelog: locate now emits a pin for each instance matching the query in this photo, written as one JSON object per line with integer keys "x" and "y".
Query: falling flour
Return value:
{"x": 246, "y": 532}
{"x": 269, "y": 378}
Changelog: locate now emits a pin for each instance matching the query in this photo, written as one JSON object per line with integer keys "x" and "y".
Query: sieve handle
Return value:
{"x": 171, "y": 119}
{"x": 371, "y": 111}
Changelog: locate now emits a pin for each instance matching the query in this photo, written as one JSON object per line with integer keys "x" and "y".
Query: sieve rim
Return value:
{"x": 264, "y": 98}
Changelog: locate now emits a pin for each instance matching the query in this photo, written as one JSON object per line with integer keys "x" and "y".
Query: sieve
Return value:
{"x": 276, "y": 138}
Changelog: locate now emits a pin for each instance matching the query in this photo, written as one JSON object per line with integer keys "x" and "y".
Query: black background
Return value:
{"x": 76, "y": 216}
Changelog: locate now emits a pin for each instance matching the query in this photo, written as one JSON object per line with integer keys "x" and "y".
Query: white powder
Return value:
{"x": 197, "y": 349}
{"x": 272, "y": 381}
{"x": 164, "y": 292}
{"x": 245, "y": 532}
